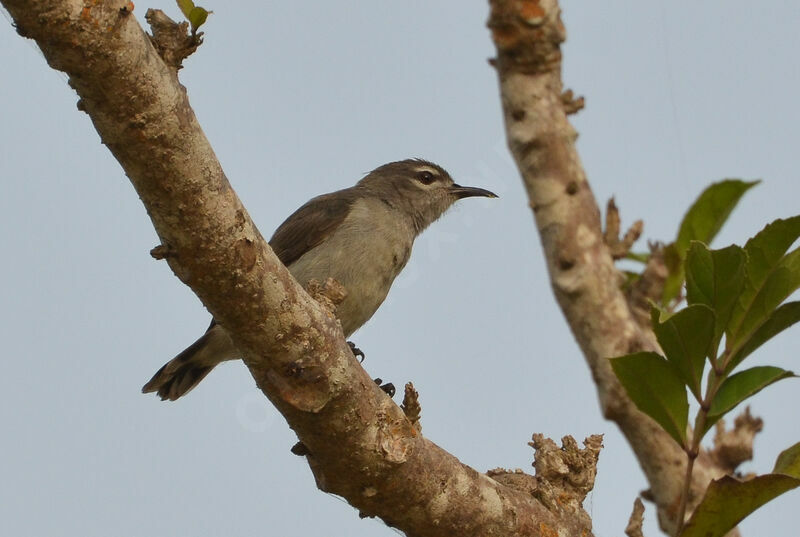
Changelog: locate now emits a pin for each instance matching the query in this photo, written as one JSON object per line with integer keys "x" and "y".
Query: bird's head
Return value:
{"x": 421, "y": 189}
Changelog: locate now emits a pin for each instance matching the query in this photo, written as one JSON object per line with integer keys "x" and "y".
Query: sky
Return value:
{"x": 298, "y": 100}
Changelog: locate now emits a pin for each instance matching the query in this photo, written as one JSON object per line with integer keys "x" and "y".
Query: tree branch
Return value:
{"x": 528, "y": 35}
{"x": 360, "y": 444}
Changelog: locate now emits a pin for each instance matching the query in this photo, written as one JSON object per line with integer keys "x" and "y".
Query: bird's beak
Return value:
{"x": 470, "y": 191}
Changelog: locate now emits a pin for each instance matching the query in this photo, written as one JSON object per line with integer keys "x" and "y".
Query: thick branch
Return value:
{"x": 360, "y": 444}
{"x": 528, "y": 35}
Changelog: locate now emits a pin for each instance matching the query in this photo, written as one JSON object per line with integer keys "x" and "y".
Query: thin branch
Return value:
{"x": 687, "y": 488}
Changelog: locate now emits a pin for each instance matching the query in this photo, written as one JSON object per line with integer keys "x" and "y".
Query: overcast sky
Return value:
{"x": 300, "y": 99}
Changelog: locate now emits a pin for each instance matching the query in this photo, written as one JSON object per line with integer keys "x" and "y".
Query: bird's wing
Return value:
{"x": 311, "y": 224}
{"x": 308, "y": 226}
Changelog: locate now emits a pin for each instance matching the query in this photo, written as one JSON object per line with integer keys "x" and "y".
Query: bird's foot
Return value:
{"x": 358, "y": 353}
{"x": 388, "y": 388}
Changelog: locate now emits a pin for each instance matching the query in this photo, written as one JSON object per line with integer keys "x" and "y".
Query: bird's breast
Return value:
{"x": 364, "y": 254}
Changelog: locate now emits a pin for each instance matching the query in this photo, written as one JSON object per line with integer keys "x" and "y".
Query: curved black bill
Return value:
{"x": 470, "y": 191}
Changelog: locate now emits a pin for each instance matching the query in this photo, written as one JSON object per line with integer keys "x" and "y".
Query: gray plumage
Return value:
{"x": 360, "y": 236}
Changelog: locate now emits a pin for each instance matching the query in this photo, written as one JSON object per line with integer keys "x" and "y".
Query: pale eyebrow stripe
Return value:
{"x": 434, "y": 171}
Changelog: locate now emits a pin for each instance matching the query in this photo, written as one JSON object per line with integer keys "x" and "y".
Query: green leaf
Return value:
{"x": 770, "y": 277}
{"x": 194, "y": 14}
{"x": 686, "y": 338}
{"x": 706, "y": 216}
{"x": 728, "y": 501}
{"x": 780, "y": 319}
{"x": 715, "y": 278}
{"x": 770, "y": 245}
{"x": 788, "y": 462}
{"x": 740, "y": 386}
{"x": 186, "y": 7}
{"x": 197, "y": 17}
{"x": 656, "y": 389}
{"x": 779, "y": 285}
{"x": 672, "y": 284}
{"x": 702, "y": 222}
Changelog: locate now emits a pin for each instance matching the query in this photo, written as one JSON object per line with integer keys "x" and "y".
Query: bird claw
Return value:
{"x": 387, "y": 388}
{"x": 358, "y": 353}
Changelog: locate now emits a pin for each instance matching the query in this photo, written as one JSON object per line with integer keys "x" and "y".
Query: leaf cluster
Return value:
{"x": 735, "y": 303}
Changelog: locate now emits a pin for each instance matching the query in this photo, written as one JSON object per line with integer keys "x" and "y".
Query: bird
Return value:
{"x": 360, "y": 236}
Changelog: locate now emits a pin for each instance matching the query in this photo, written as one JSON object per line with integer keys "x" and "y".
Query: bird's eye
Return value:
{"x": 426, "y": 177}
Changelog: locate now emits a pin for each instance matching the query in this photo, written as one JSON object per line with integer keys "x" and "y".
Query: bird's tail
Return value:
{"x": 178, "y": 376}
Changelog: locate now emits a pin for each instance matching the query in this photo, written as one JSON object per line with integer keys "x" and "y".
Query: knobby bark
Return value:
{"x": 528, "y": 35}
{"x": 360, "y": 445}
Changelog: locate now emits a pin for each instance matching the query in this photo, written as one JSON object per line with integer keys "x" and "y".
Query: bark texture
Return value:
{"x": 528, "y": 35}
{"x": 359, "y": 443}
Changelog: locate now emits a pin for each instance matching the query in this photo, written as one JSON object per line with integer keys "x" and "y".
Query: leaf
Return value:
{"x": 197, "y": 17}
{"x": 656, "y": 389}
{"x": 702, "y": 222}
{"x": 728, "y": 501}
{"x": 685, "y": 338}
{"x": 672, "y": 284}
{"x": 706, "y": 216}
{"x": 788, "y": 462}
{"x": 779, "y": 285}
{"x": 186, "y": 7}
{"x": 194, "y": 14}
{"x": 770, "y": 245}
{"x": 770, "y": 277}
{"x": 740, "y": 386}
{"x": 715, "y": 278}
{"x": 781, "y": 319}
